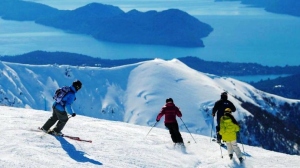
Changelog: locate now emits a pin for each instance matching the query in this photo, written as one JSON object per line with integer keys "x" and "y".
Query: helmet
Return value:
{"x": 224, "y": 96}
{"x": 227, "y": 110}
{"x": 169, "y": 100}
{"x": 77, "y": 84}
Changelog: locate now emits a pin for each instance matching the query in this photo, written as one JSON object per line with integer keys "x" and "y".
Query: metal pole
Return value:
{"x": 221, "y": 152}
{"x": 212, "y": 127}
{"x": 151, "y": 128}
{"x": 242, "y": 143}
{"x": 188, "y": 129}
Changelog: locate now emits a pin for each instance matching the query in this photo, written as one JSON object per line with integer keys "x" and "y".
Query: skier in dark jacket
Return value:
{"x": 60, "y": 112}
{"x": 219, "y": 108}
{"x": 171, "y": 111}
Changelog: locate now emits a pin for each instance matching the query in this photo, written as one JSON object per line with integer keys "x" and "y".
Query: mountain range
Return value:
{"x": 290, "y": 7}
{"x": 282, "y": 86}
{"x": 170, "y": 27}
{"x": 134, "y": 90}
{"x": 134, "y": 93}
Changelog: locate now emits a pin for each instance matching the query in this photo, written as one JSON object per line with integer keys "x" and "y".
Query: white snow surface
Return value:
{"x": 115, "y": 145}
{"x": 133, "y": 93}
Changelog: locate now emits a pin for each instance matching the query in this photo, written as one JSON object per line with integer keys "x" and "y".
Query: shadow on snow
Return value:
{"x": 74, "y": 153}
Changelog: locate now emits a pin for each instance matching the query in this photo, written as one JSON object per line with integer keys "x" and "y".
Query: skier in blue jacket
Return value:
{"x": 61, "y": 111}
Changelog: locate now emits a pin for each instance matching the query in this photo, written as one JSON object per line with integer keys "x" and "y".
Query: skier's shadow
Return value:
{"x": 74, "y": 153}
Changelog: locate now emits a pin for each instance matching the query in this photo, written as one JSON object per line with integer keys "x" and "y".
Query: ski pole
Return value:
{"x": 242, "y": 143}
{"x": 188, "y": 129}
{"x": 151, "y": 128}
{"x": 221, "y": 152}
{"x": 212, "y": 127}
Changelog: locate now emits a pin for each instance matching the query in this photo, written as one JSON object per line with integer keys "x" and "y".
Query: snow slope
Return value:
{"x": 133, "y": 93}
{"x": 115, "y": 145}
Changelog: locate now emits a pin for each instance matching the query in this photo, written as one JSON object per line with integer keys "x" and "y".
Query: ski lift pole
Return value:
{"x": 151, "y": 128}
{"x": 187, "y": 129}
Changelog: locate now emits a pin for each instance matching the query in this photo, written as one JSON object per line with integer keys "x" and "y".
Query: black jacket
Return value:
{"x": 220, "y": 107}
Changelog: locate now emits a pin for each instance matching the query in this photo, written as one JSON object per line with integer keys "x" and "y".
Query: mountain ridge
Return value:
{"x": 135, "y": 93}
{"x": 282, "y": 86}
{"x": 289, "y": 7}
{"x": 213, "y": 67}
{"x": 171, "y": 27}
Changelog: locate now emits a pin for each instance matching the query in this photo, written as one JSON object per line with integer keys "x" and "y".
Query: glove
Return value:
{"x": 74, "y": 114}
{"x": 157, "y": 120}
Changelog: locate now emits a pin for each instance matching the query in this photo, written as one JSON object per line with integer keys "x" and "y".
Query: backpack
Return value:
{"x": 60, "y": 94}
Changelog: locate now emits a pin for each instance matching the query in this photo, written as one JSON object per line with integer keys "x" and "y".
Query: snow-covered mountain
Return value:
{"x": 135, "y": 94}
{"x": 115, "y": 145}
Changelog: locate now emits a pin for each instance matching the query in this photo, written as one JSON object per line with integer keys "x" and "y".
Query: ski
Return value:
{"x": 66, "y": 136}
{"x": 179, "y": 147}
{"x": 77, "y": 138}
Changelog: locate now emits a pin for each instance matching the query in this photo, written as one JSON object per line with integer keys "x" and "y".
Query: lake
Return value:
{"x": 241, "y": 34}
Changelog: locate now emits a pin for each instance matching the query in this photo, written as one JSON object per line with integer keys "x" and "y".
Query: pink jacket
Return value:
{"x": 170, "y": 111}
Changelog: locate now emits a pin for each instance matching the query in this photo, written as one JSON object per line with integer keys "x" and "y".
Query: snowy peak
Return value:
{"x": 135, "y": 94}
{"x": 126, "y": 88}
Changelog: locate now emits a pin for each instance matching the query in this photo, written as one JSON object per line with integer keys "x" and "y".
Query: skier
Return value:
{"x": 60, "y": 112}
{"x": 228, "y": 129}
{"x": 171, "y": 111}
{"x": 219, "y": 108}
